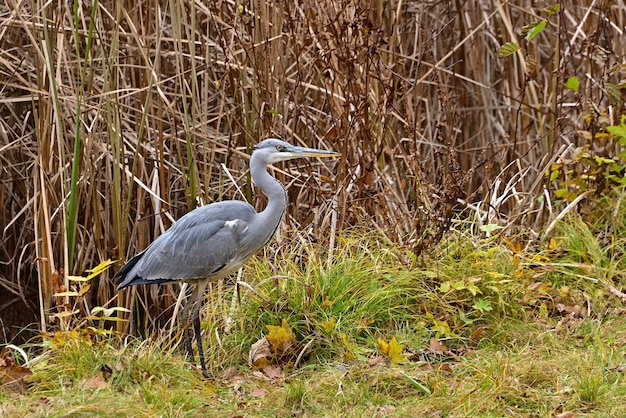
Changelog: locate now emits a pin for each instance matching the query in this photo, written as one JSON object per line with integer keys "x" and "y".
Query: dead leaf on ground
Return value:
{"x": 574, "y": 311}
{"x": 566, "y": 414}
{"x": 12, "y": 376}
{"x": 376, "y": 361}
{"x": 437, "y": 346}
{"x": 442, "y": 368}
{"x": 95, "y": 382}
{"x": 386, "y": 409}
{"x": 273, "y": 372}
{"x": 445, "y": 369}
{"x": 258, "y": 392}
{"x": 476, "y": 335}
{"x": 278, "y": 346}
{"x": 232, "y": 376}
{"x": 260, "y": 354}
{"x": 260, "y": 375}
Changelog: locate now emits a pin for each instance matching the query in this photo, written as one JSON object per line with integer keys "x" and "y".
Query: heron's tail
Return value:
{"x": 125, "y": 276}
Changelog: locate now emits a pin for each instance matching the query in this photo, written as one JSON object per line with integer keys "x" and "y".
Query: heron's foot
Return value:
{"x": 205, "y": 373}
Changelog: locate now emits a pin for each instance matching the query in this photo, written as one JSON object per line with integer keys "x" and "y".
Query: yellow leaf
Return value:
{"x": 330, "y": 325}
{"x": 65, "y": 314}
{"x": 76, "y": 278}
{"x": 327, "y": 303}
{"x": 553, "y": 245}
{"x": 541, "y": 259}
{"x": 349, "y": 354}
{"x": 281, "y": 338}
{"x": 601, "y": 135}
{"x": 540, "y": 287}
{"x": 99, "y": 269}
{"x": 516, "y": 247}
{"x": 383, "y": 346}
{"x": 84, "y": 289}
{"x": 63, "y": 294}
{"x": 393, "y": 350}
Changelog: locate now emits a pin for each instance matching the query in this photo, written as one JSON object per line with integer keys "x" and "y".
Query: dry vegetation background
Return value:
{"x": 117, "y": 117}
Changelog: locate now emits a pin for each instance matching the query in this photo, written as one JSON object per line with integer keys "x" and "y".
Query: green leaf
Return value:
{"x": 417, "y": 384}
{"x": 619, "y": 131}
{"x": 602, "y": 160}
{"x": 534, "y": 29}
{"x": 441, "y": 328}
{"x": 490, "y": 227}
{"x": 274, "y": 113}
{"x": 473, "y": 289}
{"x": 572, "y": 83}
{"x": 508, "y": 49}
{"x": 460, "y": 285}
{"x": 551, "y": 10}
{"x": 561, "y": 193}
{"x": 482, "y": 305}
{"x": 554, "y": 174}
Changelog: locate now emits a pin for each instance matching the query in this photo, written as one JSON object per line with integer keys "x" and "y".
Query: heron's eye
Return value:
{"x": 280, "y": 148}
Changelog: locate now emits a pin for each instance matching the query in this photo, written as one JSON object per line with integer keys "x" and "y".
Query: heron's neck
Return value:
{"x": 275, "y": 192}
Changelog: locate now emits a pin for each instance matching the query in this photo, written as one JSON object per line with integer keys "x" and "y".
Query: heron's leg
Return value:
{"x": 188, "y": 345}
{"x": 197, "y": 299}
{"x": 185, "y": 324}
{"x": 196, "y": 328}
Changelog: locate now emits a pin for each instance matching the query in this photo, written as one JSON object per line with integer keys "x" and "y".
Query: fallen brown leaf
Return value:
{"x": 258, "y": 392}
{"x": 260, "y": 353}
{"x": 95, "y": 382}
{"x": 12, "y": 376}
{"x": 273, "y": 372}
{"x": 232, "y": 376}
{"x": 445, "y": 369}
{"x": 574, "y": 311}
{"x": 476, "y": 335}
{"x": 260, "y": 375}
{"x": 376, "y": 360}
{"x": 437, "y": 347}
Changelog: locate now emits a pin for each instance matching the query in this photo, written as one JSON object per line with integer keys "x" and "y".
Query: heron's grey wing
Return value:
{"x": 199, "y": 245}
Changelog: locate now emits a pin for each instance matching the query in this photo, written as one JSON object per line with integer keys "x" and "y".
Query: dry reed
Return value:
{"x": 119, "y": 117}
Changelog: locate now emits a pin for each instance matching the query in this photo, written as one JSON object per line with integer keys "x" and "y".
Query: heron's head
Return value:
{"x": 273, "y": 150}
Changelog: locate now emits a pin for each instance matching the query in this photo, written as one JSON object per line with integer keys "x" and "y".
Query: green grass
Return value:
{"x": 505, "y": 348}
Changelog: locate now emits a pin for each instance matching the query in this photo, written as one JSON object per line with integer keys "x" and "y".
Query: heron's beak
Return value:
{"x": 297, "y": 152}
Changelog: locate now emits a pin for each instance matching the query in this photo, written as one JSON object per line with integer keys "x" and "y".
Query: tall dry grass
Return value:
{"x": 119, "y": 117}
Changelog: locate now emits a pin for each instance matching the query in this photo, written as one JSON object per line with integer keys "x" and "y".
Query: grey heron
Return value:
{"x": 213, "y": 241}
